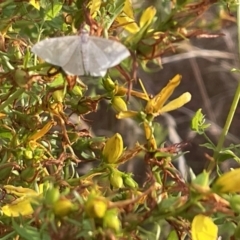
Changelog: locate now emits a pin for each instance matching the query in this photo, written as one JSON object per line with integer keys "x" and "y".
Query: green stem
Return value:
{"x": 234, "y": 103}
{"x": 229, "y": 120}
{"x": 14, "y": 96}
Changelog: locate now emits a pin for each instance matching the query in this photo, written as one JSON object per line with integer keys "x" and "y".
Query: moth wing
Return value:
{"x": 95, "y": 60}
{"x": 58, "y": 51}
{"x": 80, "y": 64}
{"x": 107, "y": 53}
{"x": 74, "y": 65}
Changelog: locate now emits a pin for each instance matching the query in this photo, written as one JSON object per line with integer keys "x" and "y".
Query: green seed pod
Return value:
{"x": 21, "y": 78}
{"x": 119, "y": 104}
{"x": 52, "y": 195}
{"x": 116, "y": 179}
{"x": 128, "y": 181}
{"x": 111, "y": 220}
{"x": 113, "y": 148}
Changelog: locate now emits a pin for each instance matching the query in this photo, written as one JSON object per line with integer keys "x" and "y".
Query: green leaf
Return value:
{"x": 202, "y": 179}
{"x": 172, "y": 236}
{"x": 208, "y": 146}
{"x": 27, "y": 232}
{"x": 227, "y": 229}
{"x": 198, "y": 122}
{"x": 58, "y": 81}
{"x": 53, "y": 12}
{"x": 169, "y": 204}
{"x": 227, "y": 154}
{"x": 5, "y": 133}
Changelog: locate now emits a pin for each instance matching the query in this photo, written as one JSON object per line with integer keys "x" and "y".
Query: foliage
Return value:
{"x": 42, "y": 194}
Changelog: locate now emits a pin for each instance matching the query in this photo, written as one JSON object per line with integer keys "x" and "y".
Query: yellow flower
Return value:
{"x": 94, "y": 7}
{"x": 228, "y": 182}
{"x": 22, "y": 205}
{"x": 127, "y": 20}
{"x": 62, "y": 207}
{"x": 19, "y": 207}
{"x": 203, "y": 228}
{"x": 155, "y": 106}
{"x": 40, "y": 133}
{"x": 147, "y": 16}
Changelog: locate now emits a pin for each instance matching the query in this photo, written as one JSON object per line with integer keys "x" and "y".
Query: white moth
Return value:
{"x": 81, "y": 55}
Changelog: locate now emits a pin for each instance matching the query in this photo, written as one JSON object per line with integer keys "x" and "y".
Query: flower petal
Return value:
{"x": 203, "y": 228}
{"x": 177, "y": 103}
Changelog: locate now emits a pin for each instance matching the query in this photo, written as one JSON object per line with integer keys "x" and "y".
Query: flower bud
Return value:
{"x": 113, "y": 148}
{"x": 28, "y": 154}
{"x": 62, "y": 207}
{"x": 228, "y": 182}
{"x": 147, "y": 16}
{"x": 108, "y": 84}
{"x": 96, "y": 207}
{"x": 119, "y": 104}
